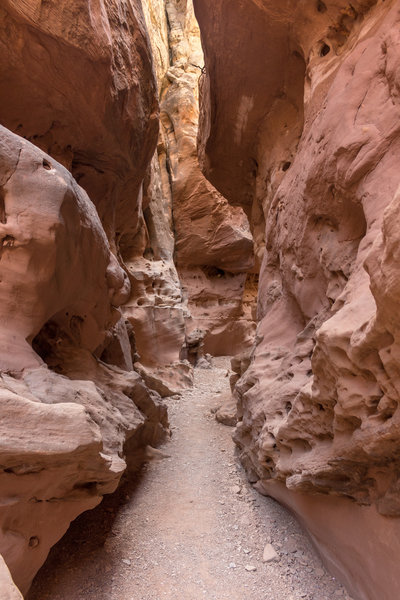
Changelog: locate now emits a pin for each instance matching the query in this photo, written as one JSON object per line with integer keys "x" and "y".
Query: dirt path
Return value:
{"x": 190, "y": 528}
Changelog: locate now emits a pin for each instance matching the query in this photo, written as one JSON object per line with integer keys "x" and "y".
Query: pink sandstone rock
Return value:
{"x": 213, "y": 241}
{"x": 301, "y": 120}
{"x": 8, "y": 589}
{"x": 67, "y": 425}
{"x": 77, "y": 81}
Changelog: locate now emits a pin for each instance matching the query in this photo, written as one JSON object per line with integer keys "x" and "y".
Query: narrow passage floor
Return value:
{"x": 189, "y": 528}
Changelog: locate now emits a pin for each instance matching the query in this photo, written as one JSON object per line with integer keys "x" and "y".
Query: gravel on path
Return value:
{"x": 189, "y": 527}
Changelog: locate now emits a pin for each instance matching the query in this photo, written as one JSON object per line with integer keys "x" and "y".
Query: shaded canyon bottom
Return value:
{"x": 188, "y": 527}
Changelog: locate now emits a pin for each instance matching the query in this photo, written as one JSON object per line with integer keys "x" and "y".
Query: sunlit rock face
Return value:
{"x": 213, "y": 245}
{"x": 8, "y": 588}
{"x": 300, "y": 127}
{"x": 65, "y": 425}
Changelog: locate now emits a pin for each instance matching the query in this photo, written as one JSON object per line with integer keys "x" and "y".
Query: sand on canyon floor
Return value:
{"x": 187, "y": 527}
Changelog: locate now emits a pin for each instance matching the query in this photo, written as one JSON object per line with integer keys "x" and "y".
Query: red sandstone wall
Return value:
{"x": 300, "y": 126}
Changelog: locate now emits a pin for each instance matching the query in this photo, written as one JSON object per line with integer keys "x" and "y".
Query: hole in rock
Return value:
{"x": 211, "y": 271}
{"x": 324, "y": 50}
{"x": 89, "y": 486}
{"x": 46, "y": 165}
{"x": 46, "y": 342}
{"x": 321, "y": 7}
{"x": 286, "y": 166}
{"x": 149, "y": 253}
{"x": 8, "y": 241}
{"x": 348, "y": 424}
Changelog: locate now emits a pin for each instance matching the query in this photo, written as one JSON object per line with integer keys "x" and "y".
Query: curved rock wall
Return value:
{"x": 65, "y": 425}
{"x": 77, "y": 80}
{"x": 300, "y": 127}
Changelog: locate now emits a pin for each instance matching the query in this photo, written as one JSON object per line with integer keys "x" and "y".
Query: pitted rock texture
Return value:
{"x": 68, "y": 420}
{"x": 78, "y": 81}
{"x": 311, "y": 145}
{"x": 155, "y": 309}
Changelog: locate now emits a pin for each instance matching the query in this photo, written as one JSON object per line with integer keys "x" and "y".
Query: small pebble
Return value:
{"x": 269, "y": 553}
{"x": 250, "y": 568}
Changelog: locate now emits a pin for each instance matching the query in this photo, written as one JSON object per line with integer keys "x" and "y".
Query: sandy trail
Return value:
{"x": 189, "y": 527}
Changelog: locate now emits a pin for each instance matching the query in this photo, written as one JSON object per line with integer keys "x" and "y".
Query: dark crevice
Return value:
{"x": 3, "y": 218}
{"x": 324, "y": 50}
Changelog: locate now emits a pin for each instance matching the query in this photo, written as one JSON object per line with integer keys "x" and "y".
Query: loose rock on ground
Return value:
{"x": 190, "y": 526}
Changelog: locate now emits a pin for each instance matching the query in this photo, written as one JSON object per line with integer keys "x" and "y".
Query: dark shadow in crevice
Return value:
{"x": 3, "y": 218}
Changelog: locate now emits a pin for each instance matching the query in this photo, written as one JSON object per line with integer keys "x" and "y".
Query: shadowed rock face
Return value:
{"x": 76, "y": 80}
{"x": 312, "y": 98}
{"x": 63, "y": 429}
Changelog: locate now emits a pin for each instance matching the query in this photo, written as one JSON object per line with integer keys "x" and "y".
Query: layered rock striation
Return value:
{"x": 300, "y": 127}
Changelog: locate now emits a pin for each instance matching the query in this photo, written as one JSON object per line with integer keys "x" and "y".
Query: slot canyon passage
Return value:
{"x": 199, "y": 299}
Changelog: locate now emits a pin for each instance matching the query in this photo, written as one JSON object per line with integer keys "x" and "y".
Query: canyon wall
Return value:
{"x": 213, "y": 245}
{"x": 299, "y": 126}
{"x": 77, "y": 81}
{"x": 121, "y": 266}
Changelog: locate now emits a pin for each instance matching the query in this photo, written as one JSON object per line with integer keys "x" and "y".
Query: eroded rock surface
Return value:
{"x": 68, "y": 420}
{"x": 300, "y": 127}
{"x": 213, "y": 245}
{"x": 76, "y": 80}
